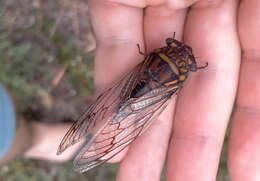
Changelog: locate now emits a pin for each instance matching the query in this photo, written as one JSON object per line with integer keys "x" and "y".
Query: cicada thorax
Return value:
{"x": 166, "y": 67}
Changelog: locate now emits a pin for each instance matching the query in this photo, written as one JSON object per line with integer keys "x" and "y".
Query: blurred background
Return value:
{"x": 46, "y": 59}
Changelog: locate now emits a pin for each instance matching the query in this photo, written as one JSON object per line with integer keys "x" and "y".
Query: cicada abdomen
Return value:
{"x": 125, "y": 110}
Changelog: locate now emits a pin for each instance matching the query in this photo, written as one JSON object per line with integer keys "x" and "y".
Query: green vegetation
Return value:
{"x": 30, "y": 58}
{"x": 29, "y": 170}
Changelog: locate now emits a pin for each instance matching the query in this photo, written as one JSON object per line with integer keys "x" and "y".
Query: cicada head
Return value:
{"x": 185, "y": 59}
{"x": 171, "y": 42}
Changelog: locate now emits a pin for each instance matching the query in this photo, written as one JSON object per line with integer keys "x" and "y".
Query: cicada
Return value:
{"x": 125, "y": 110}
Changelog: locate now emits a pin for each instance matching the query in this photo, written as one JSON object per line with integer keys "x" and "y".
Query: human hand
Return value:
{"x": 193, "y": 141}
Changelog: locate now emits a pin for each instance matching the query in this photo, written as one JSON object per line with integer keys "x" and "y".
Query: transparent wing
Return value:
{"x": 101, "y": 111}
{"x": 115, "y": 136}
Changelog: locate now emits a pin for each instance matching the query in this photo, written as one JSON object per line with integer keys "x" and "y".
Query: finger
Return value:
{"x": 244, "y": 145}
{"x": 118, "y": 28}
{"x": 145, "y": 157}
{"x": 205, "y": 103}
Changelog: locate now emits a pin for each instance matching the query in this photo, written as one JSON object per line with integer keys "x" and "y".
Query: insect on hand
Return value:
{"x": 125, "y": 110}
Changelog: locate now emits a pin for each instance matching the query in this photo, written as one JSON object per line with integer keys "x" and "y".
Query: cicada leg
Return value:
{"x": 139, "y": 50}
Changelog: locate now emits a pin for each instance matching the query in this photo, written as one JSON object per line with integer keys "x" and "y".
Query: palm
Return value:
{"x": 204, "y": 106}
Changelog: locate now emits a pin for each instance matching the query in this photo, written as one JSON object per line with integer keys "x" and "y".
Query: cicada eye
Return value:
{"x": 189, "y": 49}
{"x": 169, "y": 41}
{"x": 173, "y": 43}
{"x": 193, "y": 67}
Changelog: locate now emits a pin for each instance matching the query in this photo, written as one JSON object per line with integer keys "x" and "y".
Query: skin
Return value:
{"x": 190, "y": 132}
